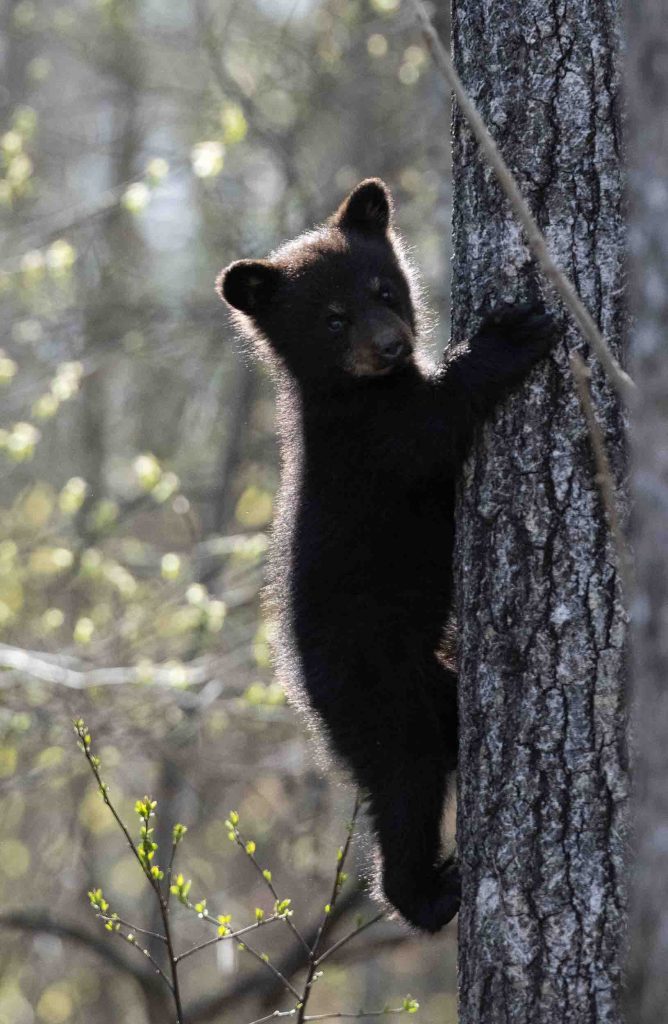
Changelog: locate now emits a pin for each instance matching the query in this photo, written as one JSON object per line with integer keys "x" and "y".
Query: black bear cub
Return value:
{"x": 362, "y": 564}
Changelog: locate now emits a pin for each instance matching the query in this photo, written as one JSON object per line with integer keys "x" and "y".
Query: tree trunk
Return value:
{"x": 648, "y": 118}
{"x": 543, "y": 767}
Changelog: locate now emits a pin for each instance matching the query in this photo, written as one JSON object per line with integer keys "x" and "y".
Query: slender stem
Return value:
{"x": 148, "y": 955}
{"x": 164, "y": 914}
{"x": 132, "y": 927}
{"x": 243, "y": 945}
{"x": 621, "y": 381}
{"x": 170, "y": 870}
{"x": 105, "y": 796}
{"x": 270, "y": 885}
{"x": 355, "y": 1016}
{"x": 351, "y": 935}
{"x": 603, "y": 477}
{"x": 336, "y": 889}
{"x": 276, "y": 1015}
{"x": 279, "y": 1014}
{"x": 153, "y": 882}
{"x": 173, "y": 962}
{"x": 223, "y": 938}
{"x": 313, "y": 962}
{"x": 281, "y": 977}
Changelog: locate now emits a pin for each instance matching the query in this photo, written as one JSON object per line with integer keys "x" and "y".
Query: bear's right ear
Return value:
{"x": 368, "y": 208}
{"x": 248, "y": 285}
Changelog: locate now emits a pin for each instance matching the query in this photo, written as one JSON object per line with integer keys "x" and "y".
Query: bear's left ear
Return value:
{"x": 248, "y": 285}
{"x": 369, "y": 207}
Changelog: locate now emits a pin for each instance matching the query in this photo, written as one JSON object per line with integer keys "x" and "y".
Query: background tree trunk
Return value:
{"x": 119, "y": 247}
{"x": 543, "y": 773}
{"x": 648, "y": 118}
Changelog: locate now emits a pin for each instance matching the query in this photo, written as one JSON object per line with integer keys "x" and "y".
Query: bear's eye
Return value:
{"x": 387, "y": 294}
{"x": 335, "y": 323}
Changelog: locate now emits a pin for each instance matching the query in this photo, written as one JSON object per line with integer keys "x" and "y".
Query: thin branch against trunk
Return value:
{"x": 521, "y": 209}
{"x": 542, "y": 775}
{"x": 647, "y": 91}
{"x": 604, "y": 480}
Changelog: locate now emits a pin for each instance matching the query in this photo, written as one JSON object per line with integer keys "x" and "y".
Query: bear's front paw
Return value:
{"x": 519, "y": 326}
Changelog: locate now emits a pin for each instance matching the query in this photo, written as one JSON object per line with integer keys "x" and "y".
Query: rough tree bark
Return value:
{"x": 543, "y": 773}
{"x": 647, "y": 88}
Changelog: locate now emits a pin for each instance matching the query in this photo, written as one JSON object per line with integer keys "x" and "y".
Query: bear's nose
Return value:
{"x": 390, "y": 350}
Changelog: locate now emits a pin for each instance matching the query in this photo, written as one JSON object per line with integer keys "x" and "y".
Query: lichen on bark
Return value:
{"x": 543, "y": 766}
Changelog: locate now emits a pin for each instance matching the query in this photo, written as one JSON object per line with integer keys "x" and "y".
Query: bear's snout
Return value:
{"x": 391, "y": 350}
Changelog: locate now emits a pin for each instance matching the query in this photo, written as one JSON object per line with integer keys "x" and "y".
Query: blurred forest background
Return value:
{"x": 143, "y": 145}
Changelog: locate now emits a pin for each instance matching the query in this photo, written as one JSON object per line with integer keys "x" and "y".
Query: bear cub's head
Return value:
{"x": 337, "y": 304}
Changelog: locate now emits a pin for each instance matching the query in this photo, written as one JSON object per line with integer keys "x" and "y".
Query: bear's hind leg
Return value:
{"x": 397, "y": 731}
{"x": 424, "y": 887}
{"x": 408, "y": 793}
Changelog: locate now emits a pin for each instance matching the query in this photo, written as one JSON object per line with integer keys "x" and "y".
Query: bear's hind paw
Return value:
{"x": 431, "y": 908}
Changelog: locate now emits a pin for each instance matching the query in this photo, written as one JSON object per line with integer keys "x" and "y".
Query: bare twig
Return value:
{"x": 603, "y": 476}
{"x": 104, "y": 793}
{"x": 283, "y": 1014}
{"x": 338, "y": 879}
{"x": 131, "y": 927}
{"x": 537, "y": 242}
{"x": 362, "y": 1015}
{"x": 229, "y": 935}
{"x": 143, "y": 851}
{"x": 351, "y": 935}
{"x": 276, "y": 1015}
{"x": 236, "y": 936}
{"x": 84, "y": 738}
{"x": 355, "y": 1016}
{"x": 311, "y": 974}
{"x": 274, "y": 970}
{"x": 130, "y": 939}
{"x": 270, "y": 885}
{"x": 170, "y": 869}
{"x": 261, "y": 984}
